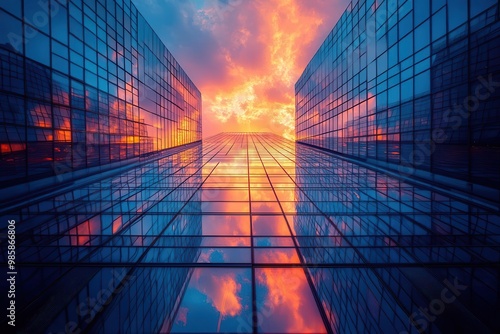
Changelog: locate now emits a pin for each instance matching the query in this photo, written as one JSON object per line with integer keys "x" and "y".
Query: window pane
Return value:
{"x": 14, "y": 7}
{"x": 406, "y": 47}
{"x": 477, "y": 7}
{"x": 37, "y": 46}
{"x": 60, "y": 25}
{"x": 422, "y": 36}
{"x": 10, "y": 32}
{"x": 36, "y": 14}
{"x": 438, "y": 24}
{"x": 421, "y": 11}
{"x": 422, "y": 83}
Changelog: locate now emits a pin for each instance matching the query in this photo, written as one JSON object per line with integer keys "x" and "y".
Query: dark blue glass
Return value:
{"x": 477, "y": 7}
{"x": 11, "y": 33}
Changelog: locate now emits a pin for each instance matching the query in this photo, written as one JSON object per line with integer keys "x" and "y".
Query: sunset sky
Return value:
{"x": 244, "y": 55}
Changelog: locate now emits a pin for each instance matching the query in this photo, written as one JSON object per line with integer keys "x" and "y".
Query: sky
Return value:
{"x": 244, "y": 55}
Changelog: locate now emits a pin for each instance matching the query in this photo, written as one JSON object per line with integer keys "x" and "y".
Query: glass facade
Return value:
{"x": 127, "y": 222}
{"x": 85, "y": 84}
{"x": 413, "y": 86}
{"x": 380, "y": 250}
{"x": 251, "y": 233}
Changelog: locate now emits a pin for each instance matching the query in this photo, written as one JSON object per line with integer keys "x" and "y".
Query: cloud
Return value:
{"x": 244, "y": 56}
{"x": 182, "y": 316}
{"x": 222, "y": 289}
{"x": 196, "y": 49}
{"x": 289, "y": 304}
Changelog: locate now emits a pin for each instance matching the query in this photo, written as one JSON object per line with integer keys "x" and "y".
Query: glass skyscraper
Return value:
{"x": 254, "y": 233}
{"x": 86, "y": 84}
{"x": 412, "y": 86}
{"x": 372, "y": 222}
{"x": 405, "y": 94}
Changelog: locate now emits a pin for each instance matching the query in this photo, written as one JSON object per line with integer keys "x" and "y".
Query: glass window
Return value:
{"x": 14, "y": 7}
{"x": 37, "y": 46}
{"x": 36, "y": 13}
{"x": 101, "y": 47}
{"x": 12, "y": 69}
{"x": 405, "y": 26}
{"x": 74, "y": 11}
{"x": 382, "y": 63}
{"x": 393, "y": 94}
{"x": 422, "y": 83}
{"x": 423, "y": 65}
{"x": 60, "y": 89}
{"x": 90, "y": 66}
{"x": 76, "y": 71}
{"x": 422, "y": 35}
{"x": 11, "y": 35}
{"x": 90, "y": 24}
{"x": 407, "y": 90}
{"x": 372, "y": 71}
{"x": 437, "y": 4}
{"x": 382, "y": 100}
{"x": 75, "y": 28}
{"x": 90, "y": 54}
{"x": 60, "y": 25}
{"x": 90, "y": 39}
{"x": 76, "y": 45}
{"x": 10, "y": 32}
{"x": 393, "y": 56}
{"x": 12, "y": 110}
{"x": 393, "y": 35}
{"x": 406, "y": 74}
{"x": 382, "y": 45}
{"x": 439, "y": 24}
{"x": 103, "y": 84}
{"x": 477, "y": 7}
{"x": 423, "y": 54}
{"x": 457, "y": 13}
{"x": 62, "y": 119}
{"x": 76, "y": 58}
{"x": 59, "y": 49}
{"x": 91, "y": 78}
{"x": 60, "y": 64}
{"x": 39, "y": 115}
{"x": 406, "y": 47}
{"x": 421, "y": 11}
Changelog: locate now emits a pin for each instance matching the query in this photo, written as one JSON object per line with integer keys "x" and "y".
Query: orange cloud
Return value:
{"x": 226, "y": 301}
{"x": 226, "y": 230}
{"x": 222, "y": 290}
{"x": 270, "y": 226}
{"x": 290, "y": 307}
{"x": 244, "y": 56}
{"x": 259, "y": 95}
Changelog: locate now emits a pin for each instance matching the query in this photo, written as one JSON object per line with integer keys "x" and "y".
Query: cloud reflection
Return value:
{"x": 286, "y": 302}
{"x": 222, "y": 290}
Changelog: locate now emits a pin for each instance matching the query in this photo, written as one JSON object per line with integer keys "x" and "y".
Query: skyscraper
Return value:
{"x": 412, "y": 86}
{"x": 87, "y": 84}
{"x": 125, "y": 221}
{"x": 408, "y": 90}
{"x": 254, "y": 233}
{"x": 87, "y": 90}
